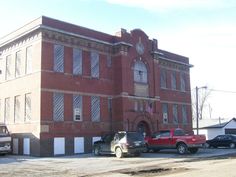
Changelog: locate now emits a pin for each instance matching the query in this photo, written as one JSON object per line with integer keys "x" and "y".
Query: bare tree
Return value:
{"x": 203, "y": 95}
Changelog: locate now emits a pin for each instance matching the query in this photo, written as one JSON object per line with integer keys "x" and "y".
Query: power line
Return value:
{"x": 225, "y": 91}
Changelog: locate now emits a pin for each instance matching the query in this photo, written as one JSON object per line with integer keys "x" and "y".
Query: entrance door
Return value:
{"x": 143, "y": 128}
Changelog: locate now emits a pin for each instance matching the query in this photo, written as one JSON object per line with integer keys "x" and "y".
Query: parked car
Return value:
{"x": 175, "y": 139}
{"x": 222, "y": 141}
{"x": 120, "y": 143}
{"x": 5, "y": 140}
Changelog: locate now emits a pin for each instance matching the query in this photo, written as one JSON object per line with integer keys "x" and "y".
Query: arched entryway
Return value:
{"x": 143, "y": 128}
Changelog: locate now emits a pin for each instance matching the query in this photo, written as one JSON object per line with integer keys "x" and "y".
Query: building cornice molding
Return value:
{"x": 69, "y": 37}
{"x": 158, "y": 56}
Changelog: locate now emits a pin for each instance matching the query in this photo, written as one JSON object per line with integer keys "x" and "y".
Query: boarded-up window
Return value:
{"x": 184, "y": 114}
{"x": 182, "y": 82}
{"x": 7, "y": 110}
{"x": 95, "y": 108}
{"x": 18, "y": 64}
{"x": 58, "y": 107}
{"x": 140, "y": 72}
{"x": 165, "y": 113}
{"x": 28, "y": 107}
{"x": 58, "y": 58}
{"x": 29, "y": 59}
{"x": 77, "y": 107}
{"x": 17, "y": 109}
{"x": 94, "y": 64}
{"x": 8, "y": 67}
{"x": 173, "y": 80}
{"x": 163, "y": 79}
{"x": 175, "y": 113}
{"x": 77, "y": 61}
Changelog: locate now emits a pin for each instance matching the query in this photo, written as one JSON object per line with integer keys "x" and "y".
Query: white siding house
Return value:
{"x": 219, "y": 129}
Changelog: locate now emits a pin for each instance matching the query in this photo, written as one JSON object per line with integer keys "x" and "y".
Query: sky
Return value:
{"x": 203, "y": 30}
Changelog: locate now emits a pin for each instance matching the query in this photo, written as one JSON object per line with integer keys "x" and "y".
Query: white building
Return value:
{"x": 219, "y": 129}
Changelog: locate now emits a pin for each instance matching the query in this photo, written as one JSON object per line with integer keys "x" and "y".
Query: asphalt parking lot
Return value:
{"x": 89, "y": 165}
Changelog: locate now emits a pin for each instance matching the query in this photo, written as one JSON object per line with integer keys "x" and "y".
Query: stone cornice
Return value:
{"x": 158, "y": 55}
{"x": 69, "y": 38}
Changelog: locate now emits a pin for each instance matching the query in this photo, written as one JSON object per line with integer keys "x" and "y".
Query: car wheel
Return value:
{"x": 232, "y": 145}
{"x": 96, "y": 151}
{"x": 193, "y": 150}
{"x": 119, "y": 153}
{"x": 206, "y": 145}
{"x": 182, "y": 148}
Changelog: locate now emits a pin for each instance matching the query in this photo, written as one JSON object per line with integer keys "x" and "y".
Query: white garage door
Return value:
{"x": 59, "y": 146}
{"x": 78, "y": 145}
{"x": 26, "y": 146}
{"x": 15, "y": 148}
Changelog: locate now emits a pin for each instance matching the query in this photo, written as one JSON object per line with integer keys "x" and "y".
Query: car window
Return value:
{"x": 179, "y": 132}
{"x": 3, "y": 130}
{"x": 108, "y": 138}
{"x": 218, "y": 138}
{"x": 234, "y": 137}
{"x": 134, "y": 136}
{"x": 225, "y": 137}
{"x": 165, "y": 133}
{"x": 120, "y": 135}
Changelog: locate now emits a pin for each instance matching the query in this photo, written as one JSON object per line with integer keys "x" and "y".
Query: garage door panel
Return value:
{"x": 230, "y": 131}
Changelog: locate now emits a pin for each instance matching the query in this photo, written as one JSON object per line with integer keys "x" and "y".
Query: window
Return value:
{"x": 77, "y": 61}
{"x": 109, "y": 61}
{"x": 17, "y": 109}
{"x": 165, "y": 113}
{"x": 28, "y": 107}
{"x": 173, "y": 81}
{"x": 139, "y": 105}
{"x": 182, "y": 82}
{"x": 184, "y": 114}
{"x": 58, "y": 107}
{"x": 7, "y": 110}
{"x": 58, "y": 58}
{"x": 18, "y": 64}
{"x": 110, "y": 106}
{"x": 175, "y": 113}
{"x": 8, "y": 67}
{"x": 95, "y": 108}
{"x": 94, "y": 64}
{"x": 140, "y": 72}
{"x": 29, "y": 59}
{"x": 77, "y": 107}
{"x": 163, "y": 79}
{"x": 136, "y": 105}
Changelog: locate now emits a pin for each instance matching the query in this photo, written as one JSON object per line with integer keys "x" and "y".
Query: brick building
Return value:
{"x": 62, "y": 86}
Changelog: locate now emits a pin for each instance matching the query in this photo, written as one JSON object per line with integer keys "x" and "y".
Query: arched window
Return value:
{"x": 140, "y": 72}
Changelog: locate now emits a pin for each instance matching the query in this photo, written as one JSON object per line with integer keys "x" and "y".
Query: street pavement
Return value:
{"x": 166, "y": 163}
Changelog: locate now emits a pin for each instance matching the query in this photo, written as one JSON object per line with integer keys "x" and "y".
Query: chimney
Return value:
{"x": 154, "y": 44}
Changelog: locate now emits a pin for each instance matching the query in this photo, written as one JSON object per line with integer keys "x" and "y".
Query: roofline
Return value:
{"x": 41, "y": 26}
{"x": 224, "y": 124}
{"x": 167, "y": 59}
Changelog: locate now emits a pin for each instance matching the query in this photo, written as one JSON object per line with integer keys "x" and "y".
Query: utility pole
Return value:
{"x": 197, "y": 110}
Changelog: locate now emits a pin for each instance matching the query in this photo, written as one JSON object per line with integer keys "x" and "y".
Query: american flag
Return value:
{"x": 149, "y": 107}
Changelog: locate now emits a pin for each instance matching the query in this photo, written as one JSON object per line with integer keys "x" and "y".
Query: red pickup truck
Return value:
{"x": 175, "y": 139}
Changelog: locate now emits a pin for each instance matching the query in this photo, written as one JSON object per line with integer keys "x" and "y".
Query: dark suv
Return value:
{"x": 120, "y": 143}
